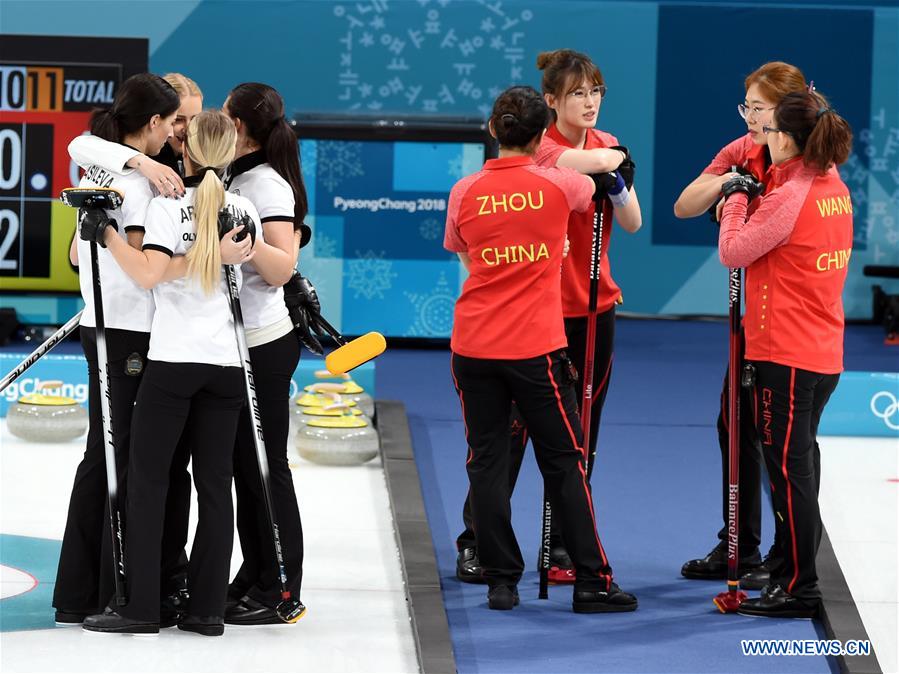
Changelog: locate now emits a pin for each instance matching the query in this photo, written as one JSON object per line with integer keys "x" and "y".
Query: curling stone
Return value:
{"x": 348, "y": 390}
{"x": 45, "y": 417}
{"x": 306, "y": 414}
{"x": 345, "y": 440}
{"x": 323, "y": 400}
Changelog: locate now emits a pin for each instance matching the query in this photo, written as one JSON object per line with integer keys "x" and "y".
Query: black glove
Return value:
{"x": 608, "y": 185}
{"x": 92, "y": 227}
{"x": 229, "y": 221}
{"x": 746, "y": 184}
{"x": 627, "y": 169}
{"x": 303, "y": 308}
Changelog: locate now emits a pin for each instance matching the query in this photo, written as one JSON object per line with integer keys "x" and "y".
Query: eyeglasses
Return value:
{"x": 599, "y": 91}
{"x": 770, "y": 129}
{"x": 746, "y": 112}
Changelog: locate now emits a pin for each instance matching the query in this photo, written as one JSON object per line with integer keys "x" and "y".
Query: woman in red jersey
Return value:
{"x": 574, "y": 88}
{"x": 749, "y": 153}
{"x": 508, "y": 224}
{"x": 795, "y": 245}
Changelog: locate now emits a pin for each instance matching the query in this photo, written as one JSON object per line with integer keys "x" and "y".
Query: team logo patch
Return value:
{"x": 134, "y": 365}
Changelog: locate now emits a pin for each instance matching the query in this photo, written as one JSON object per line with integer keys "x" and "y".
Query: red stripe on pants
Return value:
{"x": 580, "y": 465}
{"x": 786, "y": 474}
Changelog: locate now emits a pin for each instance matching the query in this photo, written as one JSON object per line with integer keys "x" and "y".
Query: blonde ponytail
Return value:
{"x": 210, "y": 141}
{"x": 204, "y": 259}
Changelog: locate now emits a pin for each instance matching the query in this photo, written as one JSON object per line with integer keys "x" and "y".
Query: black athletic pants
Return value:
{"x": 576, "y": 331}
{"x": 213, "y": 396}
{"x": 273, "y": 366}
{"x": 546, "y": 399}
{"x": 788, "y": 403}
{"x": 85, "y": 579}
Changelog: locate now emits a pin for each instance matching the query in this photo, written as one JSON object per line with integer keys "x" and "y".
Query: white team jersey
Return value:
{"x": 126, "y": 306}
{"x": 190, "y": 326}
{"x": 263, "y": 305}
{"x": 87, "y": 150}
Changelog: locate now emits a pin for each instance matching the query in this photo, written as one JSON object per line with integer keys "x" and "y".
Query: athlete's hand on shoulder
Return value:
{"x": 96, "y": 226}
{"x": 165, "y": 180}
{"x": 566, "y": 247}
{"x": 236, "y": 252}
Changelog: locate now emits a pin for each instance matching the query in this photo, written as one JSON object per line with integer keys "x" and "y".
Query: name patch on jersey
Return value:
{"x": 836, "y": 259}
{"x": 99, "y": 176}
{"x": 829, "y": 206}
{"x": 503, "y": 203}
{"x": 531, "y": 252}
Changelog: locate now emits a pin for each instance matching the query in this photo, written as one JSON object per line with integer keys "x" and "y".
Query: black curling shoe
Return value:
{"x": 615, "y": 600}
{"x": 776, "y": 602}
{"x": 468, "y": 566}
{"x": 111, "y": 622}
{"x": 208, "y": 626}
{"x": 760, "y": 576}
{"x": 714, "y": 565}
{"x": 248, "y": 611}
{"x": 172, "y": 607}
{"x": 502, "y": 597}
{"x": 65, "y": 617}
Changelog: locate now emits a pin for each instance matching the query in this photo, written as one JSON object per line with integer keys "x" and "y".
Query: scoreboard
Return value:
{"x": 48, "y": 88}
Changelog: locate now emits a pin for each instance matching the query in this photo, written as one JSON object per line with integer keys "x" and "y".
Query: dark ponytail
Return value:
{"x": 822, "y": 136}
{"x": 519, "y": 115}
{"x": 139, "y": 98}
{"x": 261, "y": 110}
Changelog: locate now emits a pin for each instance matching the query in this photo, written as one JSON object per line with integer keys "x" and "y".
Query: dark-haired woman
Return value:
{"x": 765, "y": 88}
{"x": 267, "y": 172}
{"x": 574, "y": 88}
{"x": 141, "y": 116}
{"x": 795, "y": 245}
{"x": 193, "y": 369}
{"x": 508, "y": 224}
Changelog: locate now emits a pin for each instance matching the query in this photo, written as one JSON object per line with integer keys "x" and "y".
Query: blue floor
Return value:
{"x": 657, "y": 495}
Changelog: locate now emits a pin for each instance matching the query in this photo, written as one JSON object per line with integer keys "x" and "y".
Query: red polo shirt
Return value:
{"x": 796, "y": 247}
{"x": 576, "y": 267}
{"x": 741, "y": 152}
{"x": 511, "y": 218}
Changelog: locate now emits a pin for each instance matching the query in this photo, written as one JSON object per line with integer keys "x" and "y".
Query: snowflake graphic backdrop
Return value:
{"x": 430, "y": 229}
{"x": 369, "y": 275}
{"x": 338, "y": 161}
{"x": 325, "y": 246}
{"x": 434, "y": 311}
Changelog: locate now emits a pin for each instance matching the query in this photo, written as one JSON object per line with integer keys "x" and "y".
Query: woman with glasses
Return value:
{"x": 573, "y": 88}
{"x": 507, "y": 223}
{"x": 748, "y": 154}
{"x": 795, "y": 244}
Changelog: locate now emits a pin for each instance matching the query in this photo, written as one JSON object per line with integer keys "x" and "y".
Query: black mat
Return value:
{"x": 413, "y": 535}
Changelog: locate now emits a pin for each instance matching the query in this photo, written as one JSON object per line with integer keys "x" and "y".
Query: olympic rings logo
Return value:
{"x": 887, "y": 411}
